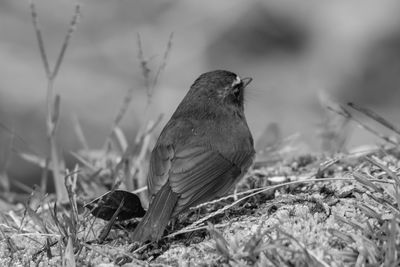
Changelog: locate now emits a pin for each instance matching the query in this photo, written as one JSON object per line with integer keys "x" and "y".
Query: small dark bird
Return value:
{"x": 204, "y": 149}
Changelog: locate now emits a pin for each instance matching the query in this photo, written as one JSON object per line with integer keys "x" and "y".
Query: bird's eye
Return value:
{"x": 236, "y": 89}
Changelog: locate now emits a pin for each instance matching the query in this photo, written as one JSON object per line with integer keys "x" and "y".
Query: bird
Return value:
{"x": 201, "y": 153}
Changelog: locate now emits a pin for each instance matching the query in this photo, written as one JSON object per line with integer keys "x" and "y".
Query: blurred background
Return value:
{"x": 301, "y": 55}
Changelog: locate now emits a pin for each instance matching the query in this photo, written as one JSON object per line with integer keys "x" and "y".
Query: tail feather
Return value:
{"x": 153, "y": 224}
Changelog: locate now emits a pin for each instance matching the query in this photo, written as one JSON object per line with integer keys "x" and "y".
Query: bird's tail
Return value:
{"x": 153, "y": 224}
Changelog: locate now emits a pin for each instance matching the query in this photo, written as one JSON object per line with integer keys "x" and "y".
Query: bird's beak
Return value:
{"x": 246, "y": 81}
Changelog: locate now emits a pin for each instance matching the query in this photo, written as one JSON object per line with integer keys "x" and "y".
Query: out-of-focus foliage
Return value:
{"x": 293, "y": 50}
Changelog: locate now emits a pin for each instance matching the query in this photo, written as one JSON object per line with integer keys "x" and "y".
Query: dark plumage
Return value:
{"x": 200, "y": 154}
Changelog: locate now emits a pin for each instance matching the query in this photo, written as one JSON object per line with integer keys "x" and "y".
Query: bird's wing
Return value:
{"x": 197, "y": 173}
{"x": 160, "y": 165}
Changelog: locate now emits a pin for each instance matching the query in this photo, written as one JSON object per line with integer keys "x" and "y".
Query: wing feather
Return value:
{"x": 160, "y": 164}
{"x": 196, "y": 174}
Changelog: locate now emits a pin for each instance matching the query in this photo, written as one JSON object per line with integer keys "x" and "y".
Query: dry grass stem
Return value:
{"x": 375, "y": 117}
{"x": 367, "y": 128}
{"x": 163, "y": 64}
{"x": 79, "y": 133}
{"x": 53, "y": 101}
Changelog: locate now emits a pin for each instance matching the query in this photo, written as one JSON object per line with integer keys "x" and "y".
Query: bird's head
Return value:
{"x": 221, "y": 86}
